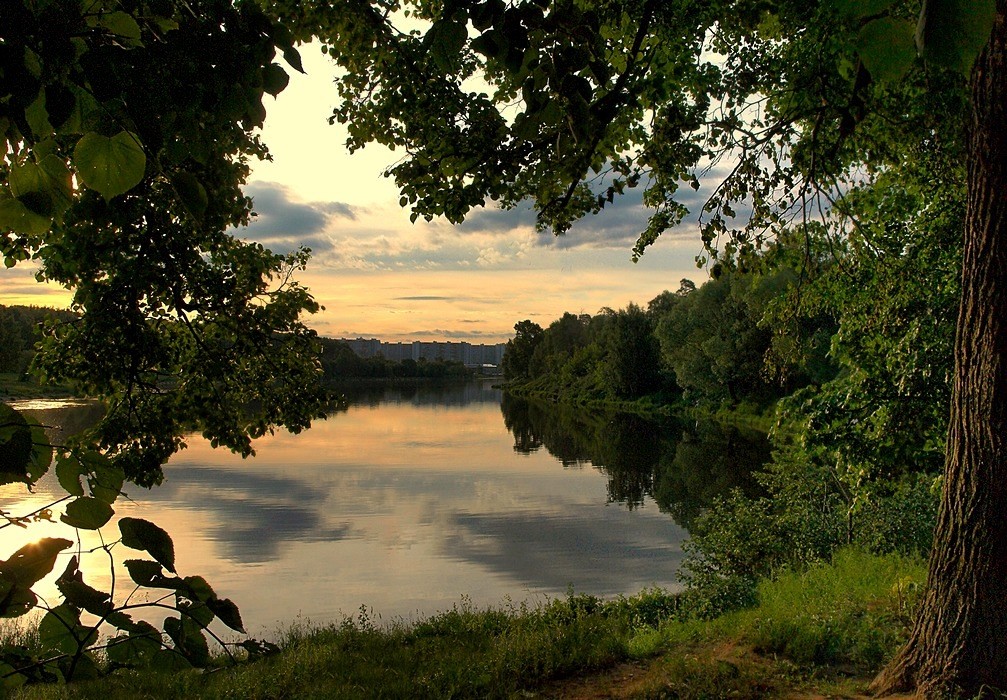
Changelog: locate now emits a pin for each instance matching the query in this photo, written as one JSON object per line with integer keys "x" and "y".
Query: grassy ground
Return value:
{"x": 823, "y": 632}
{"x": 18, "y": 386}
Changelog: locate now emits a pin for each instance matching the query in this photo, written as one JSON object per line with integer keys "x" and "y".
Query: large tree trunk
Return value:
{"x": 959, "y": 642}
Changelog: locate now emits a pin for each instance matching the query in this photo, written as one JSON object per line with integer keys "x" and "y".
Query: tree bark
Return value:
{"x": 959, "y": 642}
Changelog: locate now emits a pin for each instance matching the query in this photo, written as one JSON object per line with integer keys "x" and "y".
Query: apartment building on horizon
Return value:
{"x": 467, "y": 353}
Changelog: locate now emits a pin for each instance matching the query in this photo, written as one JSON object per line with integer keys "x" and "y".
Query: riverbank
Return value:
{"x": 16, "y": 386}
{"x": 822, "y": 632}
{"x": 743, "y": 415}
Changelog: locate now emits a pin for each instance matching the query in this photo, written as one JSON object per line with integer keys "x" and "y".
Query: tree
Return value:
{"x": 808, "y": 101}
{"x": 126, "y": 129}
{"x": 519, "y": 349}
{"x": 955, "y": 647}
{"x": 632, "y": 356}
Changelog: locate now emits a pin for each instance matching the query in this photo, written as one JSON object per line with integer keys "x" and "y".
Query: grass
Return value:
{"x": 817, "y": 628}
{"x": 21, "y": 386}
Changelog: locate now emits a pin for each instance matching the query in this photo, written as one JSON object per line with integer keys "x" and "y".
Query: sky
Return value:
{"x": 378, "y": 275}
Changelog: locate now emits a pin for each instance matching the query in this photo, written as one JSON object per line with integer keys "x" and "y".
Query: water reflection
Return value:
{"x": 682, "y": 465}
{"x": 411, "y": 497}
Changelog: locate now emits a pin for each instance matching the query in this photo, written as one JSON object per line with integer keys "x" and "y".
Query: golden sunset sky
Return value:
{"x": 378, "y": 275}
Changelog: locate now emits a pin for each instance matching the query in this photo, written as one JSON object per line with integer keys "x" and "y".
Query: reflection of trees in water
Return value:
{"x": 66, "y": 419}
{"x": 710, "y": 460}
{"x": 425, "y": 393}
{"x": 682, "y": 466}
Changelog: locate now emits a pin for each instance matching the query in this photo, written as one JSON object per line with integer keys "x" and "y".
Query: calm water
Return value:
{"x": 411, "y": 499}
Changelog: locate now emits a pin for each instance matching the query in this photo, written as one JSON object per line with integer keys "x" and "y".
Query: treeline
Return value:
{"x": 340, "y": 362}
{"x": 710, "y": 345}
{"x": 20, "y": 330}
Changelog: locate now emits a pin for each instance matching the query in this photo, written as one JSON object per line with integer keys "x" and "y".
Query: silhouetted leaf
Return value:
{"x": 16, "y": 601}
{"x": 145, "y": 535}
{"x": 169, "y": 661}
{"x": 15, "y": 443}
{"x": 192, "y": 193}
{"x": 87, "y": 513}
{"x": 32, "y": 562}
{"x": 258, "y": 648}
{"x": 148, "y": 573}
{"x": 68, "y": 471}
{"x": 41, "y": 453}
{"x": 274, "y": 79}
{"x": 228, "y": 613}
{"x": 188, "y": 638}
{"x": 81, "y": 595}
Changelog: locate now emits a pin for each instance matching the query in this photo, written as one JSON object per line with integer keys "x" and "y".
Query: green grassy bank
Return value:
{"x": 828, "y": 628}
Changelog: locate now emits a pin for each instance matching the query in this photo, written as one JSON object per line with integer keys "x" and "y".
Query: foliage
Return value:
{"x": 21, "y": 329}
{"x": 127, "y": 132}
{"x": 127, "y": 127}
{"x": 520, "y": 349}
{"x": 808, "y": 514}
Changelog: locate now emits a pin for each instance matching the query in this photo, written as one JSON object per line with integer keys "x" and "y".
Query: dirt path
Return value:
{"x": 724, "y": 672}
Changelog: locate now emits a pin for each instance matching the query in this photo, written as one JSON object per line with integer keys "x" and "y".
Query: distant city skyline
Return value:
{"x": 470, "y": 354}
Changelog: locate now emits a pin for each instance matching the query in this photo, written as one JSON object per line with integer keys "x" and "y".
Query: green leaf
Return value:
{"x": 857, "y": 9}
{"x": 10, "y": 679}
{"x": 192, "y": 194}
{"x": 15, "y": 216}
{"x": 274, "y": 79}
{"x": 951, "y": 33}
{"x": 87, "y": 513}
{"x": 37, "y": 117}
{"x": 146, "y": 536}
{"x": 34, "y": 561}
{"x": 68, "y": 471}
{"x": 105, "y": 480}
{"x": 169, "y": 661}
{"x": 125, "y": 28}
{"x": 110, "y": 165}
{"x": 58, "y": 629}
{"x": 886, "y": 47}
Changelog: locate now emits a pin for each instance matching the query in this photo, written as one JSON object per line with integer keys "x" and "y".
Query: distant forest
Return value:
{"x": 340, "y": 362}
{"x": 21, "y": 328}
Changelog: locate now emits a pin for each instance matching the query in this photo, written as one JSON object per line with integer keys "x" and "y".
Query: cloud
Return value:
{"x": 282, "y": 223}
{"x": 457, "y": 335}
{"x": 422, "y": 298}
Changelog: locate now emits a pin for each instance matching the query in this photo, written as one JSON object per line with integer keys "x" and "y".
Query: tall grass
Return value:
{"x": 852, "y": 612}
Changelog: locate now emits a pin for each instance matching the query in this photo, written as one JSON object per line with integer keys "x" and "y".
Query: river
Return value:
{"x": 413, "y": 500}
